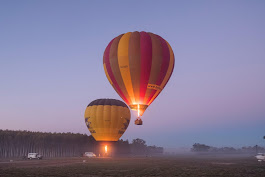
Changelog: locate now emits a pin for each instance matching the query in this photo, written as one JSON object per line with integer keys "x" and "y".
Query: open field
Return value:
{"x": 200, "y": 165}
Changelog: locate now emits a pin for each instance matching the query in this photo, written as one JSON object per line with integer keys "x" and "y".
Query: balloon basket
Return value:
{"x": 138, "y": 122}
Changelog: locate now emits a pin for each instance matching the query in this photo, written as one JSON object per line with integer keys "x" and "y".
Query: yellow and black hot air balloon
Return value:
{"x": 107, "y": 119}
{"x": 138, "y": 65}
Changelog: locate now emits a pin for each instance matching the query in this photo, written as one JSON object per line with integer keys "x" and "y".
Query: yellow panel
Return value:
{"x": 108, "y": 122}
{"x": 170, "y": 67}
{"x": 113, "y": 114}
{"x": 168, "y": 74}
{"x": 91, "y": 112}
{"x": 120, "y": 120}
{"x": 123, "y": 60}
{"x": 94, "y": 118}
{"x": 87, "y": 112}
{"x": 107, "y": 118}
{"x": 107, "y": 74}
{"x": 99, "y": 117}
{"x": 157, "y": 60}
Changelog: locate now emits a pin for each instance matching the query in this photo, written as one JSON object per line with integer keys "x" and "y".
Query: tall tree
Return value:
{"x": 197, "y": 147}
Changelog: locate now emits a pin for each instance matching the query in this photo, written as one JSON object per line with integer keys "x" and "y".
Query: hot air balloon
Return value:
{"x": 107, "y": 119}
{"x": 138, "y": 65}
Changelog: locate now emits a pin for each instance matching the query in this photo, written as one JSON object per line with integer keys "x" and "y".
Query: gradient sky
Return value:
{"x": 51, "y": 55}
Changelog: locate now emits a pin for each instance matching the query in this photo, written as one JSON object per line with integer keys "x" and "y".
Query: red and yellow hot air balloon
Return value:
{"x": 138, "y": 65}
{"x": 107, "y": 119}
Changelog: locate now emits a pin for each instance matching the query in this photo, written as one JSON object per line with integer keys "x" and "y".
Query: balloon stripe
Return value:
{"x": 106, "y": 118}
{"x": 107, "y": 62}
{"x": 168, "y": 75}
{"x": 157, "y": 56}
{"x": 107, "y": 74}
{"x": 123, "y": 60}
{"x": 170, "y": 68}
{"x": 115, "y": 67}
{"x": 107, "y": 51}
{"x": 171, "y": 63}
{"x": 94, "y": 124}
{"x": 164, "y": 66}
{"x": 113, "y": 117}
{"x": 165, "y": 62}
{"x": 146, "y": 61}
{"x": 99, "y": 115}
{"x": 135, "y": 64}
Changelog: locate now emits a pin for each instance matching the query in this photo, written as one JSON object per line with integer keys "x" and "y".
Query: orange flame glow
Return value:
{"x": 138, "y": 110}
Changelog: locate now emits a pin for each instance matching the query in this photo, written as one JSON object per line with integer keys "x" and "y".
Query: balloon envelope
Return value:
{"x": 107, "y": 119}
{"x": 138, "y": 65}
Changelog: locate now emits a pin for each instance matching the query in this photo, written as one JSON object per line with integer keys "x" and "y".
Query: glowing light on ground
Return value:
{"x": 106, "y": 149}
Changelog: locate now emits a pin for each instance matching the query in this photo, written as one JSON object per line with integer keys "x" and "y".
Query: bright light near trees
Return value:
{"x": 106, "y": 149}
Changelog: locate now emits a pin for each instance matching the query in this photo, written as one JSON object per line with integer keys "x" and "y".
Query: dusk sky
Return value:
{"x": 51, "y": 67}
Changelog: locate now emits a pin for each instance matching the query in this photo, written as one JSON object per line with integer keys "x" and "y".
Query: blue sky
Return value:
{"x": 51, "y": 67}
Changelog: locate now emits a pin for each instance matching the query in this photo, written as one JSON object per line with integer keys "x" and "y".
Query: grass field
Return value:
{"x": 200, "y": 165}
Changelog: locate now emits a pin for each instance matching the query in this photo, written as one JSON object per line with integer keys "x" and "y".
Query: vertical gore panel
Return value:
{"x": 116, "y": 69}
{"x": 107, "y": 74}
{"x": 109, "y": 70}
{"x": 106, "y": 52}
{"x": 123, "y": 60}
{"x": 157, "y": 56}
{"x": 168, "y": 74}
{"x": 146, "y": 61}
{"x": 106, "y": 118}
{"x": 171, "y": 65}
{"x": 121, "y": 121}
{"x": 93, "y": 115}
{"x": 94, "y": 120}
{"x": 113, "y": 119}
{"x": 135, "y": 63}
{"x": 118, "y": 118}
{"x": 165, "y": 61}
{"x": 88, "y": 114}
{"x": 164, "y": 65}
{"x": 100, "y": 121}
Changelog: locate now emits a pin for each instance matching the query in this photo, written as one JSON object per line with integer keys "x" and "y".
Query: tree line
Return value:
{"x": 20, "y": 143}
{"x": 197, "y": 147}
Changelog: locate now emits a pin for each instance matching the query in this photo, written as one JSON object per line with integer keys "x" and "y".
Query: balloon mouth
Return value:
{"x": 140, "y": 108}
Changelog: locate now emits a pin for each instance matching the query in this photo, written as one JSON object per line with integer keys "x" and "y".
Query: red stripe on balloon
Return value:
{"x": 146, "y": 62}
{"x": 166, "y": 81}
{"x": 165, "y": 62}
{"x": 164, "y": 66}
{"x": 171, "y": 71}
{"x": 168, "y": 77}
{"x": 115, "y": 84}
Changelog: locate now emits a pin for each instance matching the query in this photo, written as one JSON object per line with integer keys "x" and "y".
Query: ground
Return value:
{"x": 177, "y": 165}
